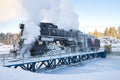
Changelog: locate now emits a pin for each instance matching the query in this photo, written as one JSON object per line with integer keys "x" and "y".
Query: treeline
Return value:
{"x": 111, "y": 31}
{"x": 9, "y": 38}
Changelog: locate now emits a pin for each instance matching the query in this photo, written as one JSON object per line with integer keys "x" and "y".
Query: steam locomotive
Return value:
{"x": 52, "y": 38}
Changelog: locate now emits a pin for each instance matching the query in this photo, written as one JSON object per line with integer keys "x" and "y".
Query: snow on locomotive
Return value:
{"x": 52, "y": 38}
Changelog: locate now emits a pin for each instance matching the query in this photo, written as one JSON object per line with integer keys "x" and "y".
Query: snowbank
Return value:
{"x": 109, "y": 40}
{"x": 5, "y": 49}
{"x": 1, "y": 44}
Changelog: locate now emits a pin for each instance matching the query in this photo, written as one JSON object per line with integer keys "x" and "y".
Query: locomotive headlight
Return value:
{"x": 58, "y": 43}
{"x": 40, "y": 42}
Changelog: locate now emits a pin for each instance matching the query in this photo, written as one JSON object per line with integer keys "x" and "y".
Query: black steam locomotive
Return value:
{"x": 51, "y": 38}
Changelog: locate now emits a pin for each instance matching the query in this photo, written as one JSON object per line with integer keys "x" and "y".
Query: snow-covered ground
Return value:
{"x": 1, "y": 44}
{"x": 5, "y": 49}
{"x": 96, "y": 69}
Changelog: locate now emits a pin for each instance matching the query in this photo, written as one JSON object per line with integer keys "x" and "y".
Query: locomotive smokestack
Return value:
{"x": 22, "y": 29}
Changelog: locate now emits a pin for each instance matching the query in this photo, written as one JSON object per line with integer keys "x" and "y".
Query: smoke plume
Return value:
{"x": 59, "y": 12}
{"x": 68, "y": 19}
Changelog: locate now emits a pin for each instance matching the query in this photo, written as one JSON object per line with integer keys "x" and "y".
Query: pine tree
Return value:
{"x": 106, "y": 32}
{"x": 118, "y": 33}
{"x": 113, "y": 32}
{"x": 95, "y": 33}
{"x": 9, "y": 38}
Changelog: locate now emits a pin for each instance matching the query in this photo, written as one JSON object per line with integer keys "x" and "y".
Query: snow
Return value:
{"x": 107, "y": 40}
{"x": 95, "y": 69}
{"x": 5, "y": 49}
{"x": 116, "y": 49}
{"x": 10, "y": 74}
{"x": 92, "y": 66}
{"x": 1, "y": 44}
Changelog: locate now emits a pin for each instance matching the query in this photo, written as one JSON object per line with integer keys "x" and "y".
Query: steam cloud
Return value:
{"x": 59, "y": 12}
{"x": 68, "y": 19}
{"x": 31, "y": 32}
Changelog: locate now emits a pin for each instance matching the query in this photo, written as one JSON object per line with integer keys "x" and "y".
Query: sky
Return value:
{"x": 93, "y": 14}
{"x": 97, "y": 14}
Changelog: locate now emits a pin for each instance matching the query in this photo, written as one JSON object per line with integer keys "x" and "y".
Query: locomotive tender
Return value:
{"x": 52, "y": 38}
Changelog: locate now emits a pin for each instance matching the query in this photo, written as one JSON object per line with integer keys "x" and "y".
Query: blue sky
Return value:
{"x": 97, "y": 14}
{"x": 93, "y": 14}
